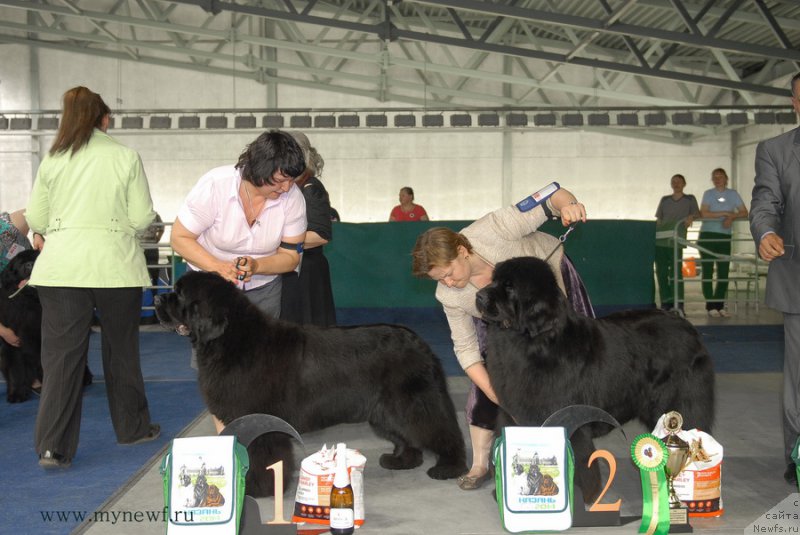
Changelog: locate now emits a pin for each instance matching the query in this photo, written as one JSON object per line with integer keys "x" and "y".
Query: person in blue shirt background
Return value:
{"x": 719, "y": 208}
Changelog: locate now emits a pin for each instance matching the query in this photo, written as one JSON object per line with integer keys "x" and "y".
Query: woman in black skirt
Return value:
{"x": 307, "y": 297}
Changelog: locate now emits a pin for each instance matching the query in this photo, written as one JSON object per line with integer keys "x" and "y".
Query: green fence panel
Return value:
{"x": 371, "y": 262}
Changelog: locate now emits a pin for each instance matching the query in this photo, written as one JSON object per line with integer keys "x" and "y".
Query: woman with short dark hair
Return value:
{"x": 247, "y": 222}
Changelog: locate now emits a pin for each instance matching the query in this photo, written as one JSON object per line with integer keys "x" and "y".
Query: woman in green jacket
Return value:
{"x": 89, "y": 201}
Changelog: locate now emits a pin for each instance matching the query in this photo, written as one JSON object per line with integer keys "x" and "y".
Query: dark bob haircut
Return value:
{"x": 271, "y": 152}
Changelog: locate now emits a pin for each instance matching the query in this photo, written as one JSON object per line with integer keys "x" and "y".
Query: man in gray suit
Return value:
{"x": 775, "y": 225}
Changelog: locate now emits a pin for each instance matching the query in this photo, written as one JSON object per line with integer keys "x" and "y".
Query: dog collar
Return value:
{"x": 12, "y": 296}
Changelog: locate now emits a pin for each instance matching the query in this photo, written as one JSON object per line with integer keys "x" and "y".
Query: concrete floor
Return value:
{"x": 402, "y": 503}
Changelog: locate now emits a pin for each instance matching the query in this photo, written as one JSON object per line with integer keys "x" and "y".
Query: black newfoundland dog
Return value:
{"x": 314, "y": 378}
{"x": 21, "y": 311}
{"x": 542, "y": 356}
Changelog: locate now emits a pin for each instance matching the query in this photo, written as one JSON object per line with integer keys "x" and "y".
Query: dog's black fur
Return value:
{"x": 542, "y": 356}
{"x": 23, "y": 315}
{"x": 314, "y": 378}
{"x": 22, "y": 312}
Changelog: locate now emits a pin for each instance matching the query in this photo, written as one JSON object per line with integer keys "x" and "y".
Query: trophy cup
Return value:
{"x": 678, "y": 460}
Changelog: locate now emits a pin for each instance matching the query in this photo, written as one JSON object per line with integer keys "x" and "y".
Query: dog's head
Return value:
{"x": 523, "y": 296}
{"x": 214, "y": 497}
{"x": 198, "y": 307}
{"x": 18, "y": 270}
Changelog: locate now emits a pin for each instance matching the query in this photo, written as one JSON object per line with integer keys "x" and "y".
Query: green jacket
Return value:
{"x": 89, "y": 206}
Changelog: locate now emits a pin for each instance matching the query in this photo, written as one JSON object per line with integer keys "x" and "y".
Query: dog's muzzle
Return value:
{"x": 181, "y": 328}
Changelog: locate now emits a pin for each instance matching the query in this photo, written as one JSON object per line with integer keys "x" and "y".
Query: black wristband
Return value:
{"x": 547, "y": 212}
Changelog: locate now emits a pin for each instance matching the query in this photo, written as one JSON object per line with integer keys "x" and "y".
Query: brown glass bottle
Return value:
{"x": 342, "y": 520}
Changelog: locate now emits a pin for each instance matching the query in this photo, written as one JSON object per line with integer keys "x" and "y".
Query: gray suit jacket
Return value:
{"x": 776, "y": 207}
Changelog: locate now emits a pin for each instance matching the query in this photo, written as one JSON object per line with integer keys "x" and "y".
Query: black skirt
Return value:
{"x": 307, "y": 298}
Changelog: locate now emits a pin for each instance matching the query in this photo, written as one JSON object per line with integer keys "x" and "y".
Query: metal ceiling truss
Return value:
{"x": 465, "y": 54}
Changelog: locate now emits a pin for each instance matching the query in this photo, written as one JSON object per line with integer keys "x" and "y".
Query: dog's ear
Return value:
{"x": 205, "y": 323}
{"x": 10, "y": 278}
{"x": 540, "y": 305}
{"x": 7, "y": 279}
{"x": 544, "y": 316}
{"x": 502, "y": 304}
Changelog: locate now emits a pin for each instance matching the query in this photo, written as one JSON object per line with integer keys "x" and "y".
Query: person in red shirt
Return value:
{"x": 407, "y": 210}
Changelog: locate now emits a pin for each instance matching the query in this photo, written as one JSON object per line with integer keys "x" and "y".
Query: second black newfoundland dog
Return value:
{"x": 542, "y": 356}
{"x": 20, "y": 311}
{"x": 314, "y": 378}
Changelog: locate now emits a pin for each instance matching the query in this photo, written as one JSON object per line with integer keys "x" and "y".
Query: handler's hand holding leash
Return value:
{"x": 569, "y": 209}
{"x": 245, "y": 266}
{"x": 571, "y": 212}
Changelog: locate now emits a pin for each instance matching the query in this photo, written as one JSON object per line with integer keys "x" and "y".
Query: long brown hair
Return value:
{"x": 436, "y": 247}
{"x": 83, "y": 111}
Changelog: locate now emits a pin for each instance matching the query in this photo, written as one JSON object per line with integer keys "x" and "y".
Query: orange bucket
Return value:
{"x": 689, "y": 267}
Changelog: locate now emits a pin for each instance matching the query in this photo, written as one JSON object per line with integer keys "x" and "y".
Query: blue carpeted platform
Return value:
{"x": 744, "y": 348}
{"x": 53, "y": 502}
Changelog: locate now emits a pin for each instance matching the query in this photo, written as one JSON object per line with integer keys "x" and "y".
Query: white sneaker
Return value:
{"x": 724, "y": 313}
{"x": 714, "y": 313}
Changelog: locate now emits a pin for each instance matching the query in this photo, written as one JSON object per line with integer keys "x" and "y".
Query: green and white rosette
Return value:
{"x": 650, "y": 455}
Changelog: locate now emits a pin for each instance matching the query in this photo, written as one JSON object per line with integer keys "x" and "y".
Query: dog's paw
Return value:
{"x": 408, "y": 459}
{"x": 447, "y": 471}
{"x": 18, "y": 397}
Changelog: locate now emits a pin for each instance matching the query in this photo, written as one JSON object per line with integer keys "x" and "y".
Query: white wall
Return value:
{"x": 456, "y": 174}
{"x": 745, "y": 153}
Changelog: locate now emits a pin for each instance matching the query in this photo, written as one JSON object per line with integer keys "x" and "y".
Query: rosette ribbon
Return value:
{"x": 650, "y": 455}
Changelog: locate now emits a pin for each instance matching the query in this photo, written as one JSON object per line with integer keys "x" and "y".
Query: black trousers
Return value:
{"x": 66, "y": 324}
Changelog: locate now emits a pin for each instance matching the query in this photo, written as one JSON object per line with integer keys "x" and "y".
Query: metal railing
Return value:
{"x": 167, "y": 269}
{"x": 746, "y": 267}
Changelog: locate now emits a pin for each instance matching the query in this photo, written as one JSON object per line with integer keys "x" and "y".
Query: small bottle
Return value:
{"x": 342, "y": 500}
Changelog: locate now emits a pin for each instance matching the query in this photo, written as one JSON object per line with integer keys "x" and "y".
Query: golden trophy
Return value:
{"x": 678, "y": 459}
